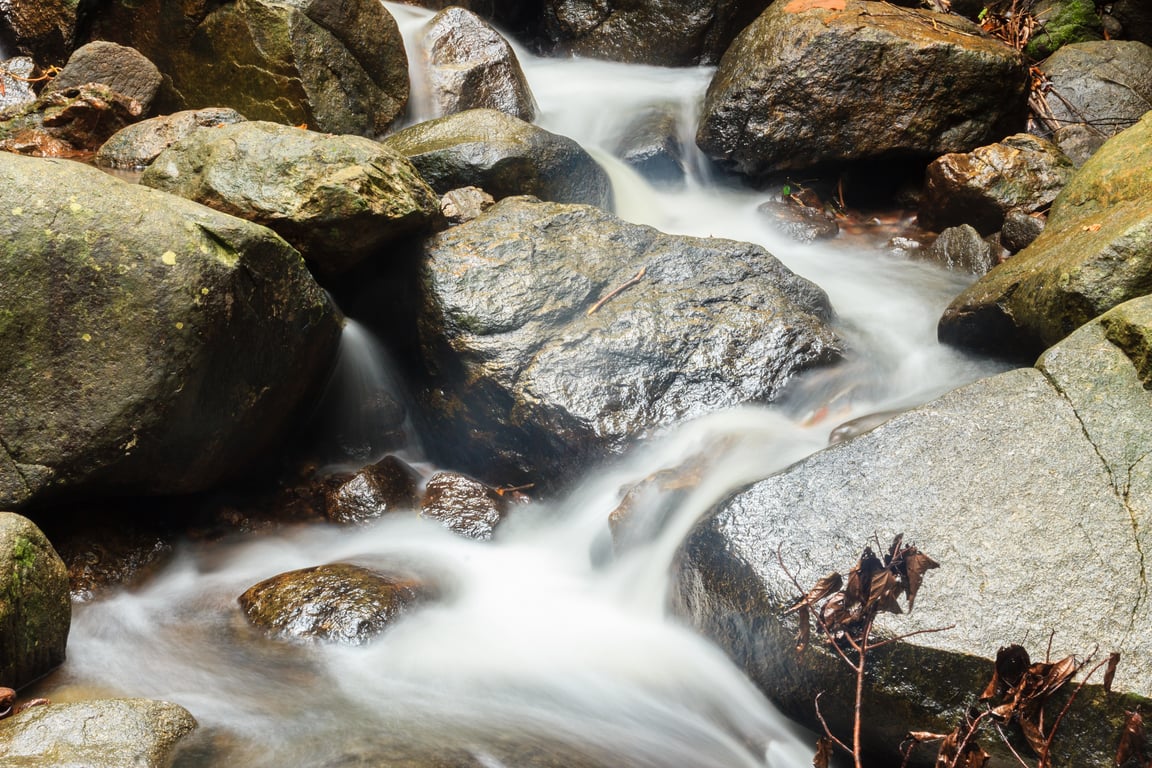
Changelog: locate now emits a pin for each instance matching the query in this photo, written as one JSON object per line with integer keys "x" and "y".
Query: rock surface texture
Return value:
{"x": 35, "y": 610}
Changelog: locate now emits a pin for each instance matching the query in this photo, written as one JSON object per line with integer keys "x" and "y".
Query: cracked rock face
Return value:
{"x": 1033, "y": 490}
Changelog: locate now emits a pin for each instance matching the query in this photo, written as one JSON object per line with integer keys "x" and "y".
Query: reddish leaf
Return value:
{"x": 882, "y": 593}
{"x": 1110, "y": 670}
{"x": 1034, "y": 735}
{"x": 1133, "y": 741}
{"x": 916, "y": 564}
{"x": 826, "y": 586}
{"x": 823, "y": 753}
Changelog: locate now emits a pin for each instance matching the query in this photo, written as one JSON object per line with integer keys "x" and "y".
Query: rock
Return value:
{"x": 651, "y": 146}
{"x": 335, "y": 603}
{"x": 584, "y": 352}
{"x": 124, "y": 70}
{"x": 15, "y": 90}
{"x": 42, "y": 29}
{"x": 463, "y": 505}
{"x": 1021, "y": 172}
{"x": 336, "y": 66}
{"x": 147, "y": 344}
{"x": 919, "y": 84}
{"x": 68, "y": 122}
{"x": 1063, "y": 22}
{"x": 464, "y": 204}
{"x": 389, "y": 485}
{"x": 35, "y": 611}
{"x": 337, "y": 199}
{"x": 1006, "y": 499}
{"x": 802, "y": 223}
{"x": 100, "y": 733}
{"x": 504, "y": 156}
{"x": 1020, "y": 229}
{"x": 1094, "y": 253}
{"x": 1098, "y": 89}
{"x": 135, "y": 146}
{"x": 471, "y": 66}
{"x": 961, "y": 249}
{"x": 661, "y": 32}
{"x": 1135, "y": 17}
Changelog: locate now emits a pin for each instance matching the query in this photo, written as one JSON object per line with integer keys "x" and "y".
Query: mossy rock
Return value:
{"x": 35, "y": 609}
{"x": 1063, "y": 22}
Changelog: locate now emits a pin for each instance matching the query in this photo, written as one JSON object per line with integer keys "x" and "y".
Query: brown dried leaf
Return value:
{"x": 1035, "y": 737}
{"x": 804, "y": 633}
{"x": 826, "y": 586}
{"x": 960, "y": 749}
{"x": 1011, "y": 663}
{"x": 882, "y": 593}
{"x": 860, "y": 578}
{"x": 1133, "y": 741}
{"x": 916, "y": 564}
{"x": 1110, "y": 670}
{"x": 823, "y": 754}
{"x": 799, "y": 6}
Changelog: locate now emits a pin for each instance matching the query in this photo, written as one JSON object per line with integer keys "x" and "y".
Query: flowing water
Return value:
{"x": 543, "y": 648}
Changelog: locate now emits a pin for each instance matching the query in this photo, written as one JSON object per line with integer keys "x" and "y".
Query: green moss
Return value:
{"x": 1070, "y": 21}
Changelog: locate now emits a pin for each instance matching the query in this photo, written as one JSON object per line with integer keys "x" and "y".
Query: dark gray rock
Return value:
{"x": 1135, "y": 18}
{"x": 651, "y": 145}
{"x": 504, "y": 156}
{"x": 389, "y": 485}
{"x": 42, "y": 29}
{"x": 463, "y": 505}
{"x": 15, "y": 88}
{"x": 961, "y": 249}
{"x": 1020, "y": 229}
{"x": 802, "y": 89}
{"x": 471, "y": 66}
{"x": 802, "y": 223}
{"x": 119, "y": 67}
{"x": 136, "y": 146}
{"x": 35, "y": 610}
{"x": 584, "y": 352}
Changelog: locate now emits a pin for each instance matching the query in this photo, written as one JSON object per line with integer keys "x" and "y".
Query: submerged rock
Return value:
{"x": 651, "y": 145}
{"x": 35, "y": 611}
{"x": 603, "y": 332}
{"x": 961, "y": 249}
{"x": 802, "y": 223}
{"x": 136, "y": 146}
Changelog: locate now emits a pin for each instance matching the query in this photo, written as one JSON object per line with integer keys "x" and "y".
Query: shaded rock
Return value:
{"x": 389, "y": 485}
{"x": 1006, "y": 499}
{"x": 1098, "y": 89}
{"x": 100, "y": 733}
{"x": 463, "y": 505}
{"x": 147, "y": 344}
{"x": 1020, "y": 229}
{"x": 504, "y": 156}
{"x": 35, "y": 612}
{"x": 661, "y": 32}
{"x": 464, "y": 204}
{"x": 337, "y": 199}
{"x": 336, "y": 66}
{"x": 336, "y": 603}
{"x": 1094, "y": 253}
{"x": 15, "y": 90}
{"x": 1135, "y": 18}
{"x": 802, "y": 223}
{"x": 584, "y": 352}
{"x": 803, "y": 89}
{"x": 961, "y": 249}
{"x": 1063, "y": 22}
{"x": 42, "y": 29}
{"x": 137, "y": 145}
{"x": 1021, "y": 172}
{"x": 124, "y": 70}
{"x": 471, "y": 66}
{"x": 651, "y": 146}
{"x": 72, "y": 121}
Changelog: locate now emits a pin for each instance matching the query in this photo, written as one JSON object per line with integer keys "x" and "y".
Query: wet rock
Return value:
{"x": 338, "y": 199}
{"x": 651, "y": 146}
{"x": 604, "y": 332}
{"x": 859, "y": 426}
{"x": 1098, "y": 89}
{"x": 661, "y": 32}
{"x": 42, "y": 29}
{"x": 136, "y": 146}
{"x": 921, "y": 84}
{"x": 471, "y": 66}
{"x": 72, "y": 121}
{"x": 335, "y": 603}
{"x": 802, "y": 223}
{"x": 100, "y": 733}
{"x": 504, "y": 156}
{"x": 1094, "y": 253}
{"x": 961, "y": 249}
{"x": 151, "y": 345}
{"x": 1063, "y": 22}
{"x": 389, "y": 485}
{"x": 1020, "y": 229}
{"x": 464, "y": 204}
{"x": 1021, "y": 172}
{"x": 463, "y": 505}
{"x": 124, "y": 70}
{"x": 336, "y": 66}
{"x": 35, "y": 612}
{"x": 15, "y": 88}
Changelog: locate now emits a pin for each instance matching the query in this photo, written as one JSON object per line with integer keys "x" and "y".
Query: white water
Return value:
{"x": 542, "y": 640}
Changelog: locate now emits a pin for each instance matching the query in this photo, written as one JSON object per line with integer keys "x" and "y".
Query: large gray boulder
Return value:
{"x": 557, "y": 334}
{"x": 147, "y": 343}
{"x": 1095, "y": 253}
{"x": 805, "y": 86}
{"x": 504, "y": 156}
{"x": 35, "y": 609}
{"x": 1032, "y": 490}
{"x": 337, "y": 199}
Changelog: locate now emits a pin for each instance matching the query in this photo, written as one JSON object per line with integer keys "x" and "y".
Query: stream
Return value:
{"x": 543, "y": 649}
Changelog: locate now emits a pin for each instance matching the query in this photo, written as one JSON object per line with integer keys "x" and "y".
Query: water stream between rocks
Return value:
{"x": 543, "y": 649}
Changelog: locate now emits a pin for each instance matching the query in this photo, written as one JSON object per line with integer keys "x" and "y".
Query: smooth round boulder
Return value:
{"x": 35, "y": 608}
{"x": 123, "y": 69}
{"x": 807, "y": 85}
{"x": 134, "y": 147}
{"x": 337, "y": 199}
{"x": 148, "y": 344}
{"x": 463, "y": 505}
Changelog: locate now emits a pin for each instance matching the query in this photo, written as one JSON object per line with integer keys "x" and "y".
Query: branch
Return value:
{"x": 617, "y": 290}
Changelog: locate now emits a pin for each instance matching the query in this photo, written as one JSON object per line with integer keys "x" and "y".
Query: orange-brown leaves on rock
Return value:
{"x": 1023, "y": 688}
{"x": 910, "y": 564}
{"x": 960, "y": 748}
{"x": 1133, "y": 749}
{"x": 823, "y": 756}
{"x": 799, "y": 6}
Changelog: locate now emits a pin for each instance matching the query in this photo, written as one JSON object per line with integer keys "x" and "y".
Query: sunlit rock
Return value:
{"x": 67, "y": 123}
{"x": 122, "y": 69}
{"x": 136, "y": 146}
{"x": 15, "y": 82}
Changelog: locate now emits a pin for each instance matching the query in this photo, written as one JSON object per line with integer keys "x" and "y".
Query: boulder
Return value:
{"x": 337, "y": 603}
{"x": 651, "y": 146}
{"x": 333, "y": 65}
{"x": 661, "y": 32}
{"x": 464, "y": 204}
{"x": 42, "y": 29}
{"x": 463, "y": 505}
{"x": 471, "y": 66}
{"x": 1097, "y": 90}
{"x": 1021, "y": 172}
{"x": 1020, "y": 229}
{"x": 802, "y": 223}
{"x": 1036, "y": 511}
{"x": 389, "y": 485}
{"x": 147, "y": 344}
{"x": 556, "y": 334}
{"x": 1135, "y": 18}
{"x": 1063, "y": 22}
{"x": 15, "y": 88}
{"x": 35, "y": 610}
{"x": 961, "y": 249}
{"x": 122, "y": 69}
{"x": 134, "y": 147}
{"x": 504, "y": 156}
{"x": 1094, "y": 253}
{"x": 337, "y": 199}
{"x": 99, "y": 733}
{"x": 69, "y": 122}
{"x": 804, "y": 86}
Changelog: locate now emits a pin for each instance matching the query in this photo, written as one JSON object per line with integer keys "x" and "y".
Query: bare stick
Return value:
{"x": 617, "y": 290}
{"x": 1012, "y": 749}
{"x": 1071, "y": 698}
{"x": 827, "y": 730}
{"x": 897, "y": 639}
